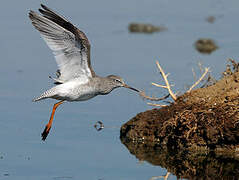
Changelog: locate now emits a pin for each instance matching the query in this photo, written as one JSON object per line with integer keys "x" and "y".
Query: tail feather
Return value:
{"x": 39, "y": 98}
{"x": 47, "y": 94}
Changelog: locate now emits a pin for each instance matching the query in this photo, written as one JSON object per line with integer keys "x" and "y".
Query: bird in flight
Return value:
{"x": 75, "y": 79}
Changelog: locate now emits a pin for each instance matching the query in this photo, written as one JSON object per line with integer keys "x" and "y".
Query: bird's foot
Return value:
{"x": 45, "y": 133}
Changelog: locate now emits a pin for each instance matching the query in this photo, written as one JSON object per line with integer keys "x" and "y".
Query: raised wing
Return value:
{"x": 69, "y": 45}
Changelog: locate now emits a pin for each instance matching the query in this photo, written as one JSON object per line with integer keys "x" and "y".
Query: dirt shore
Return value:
{"x": 206, "y": 118}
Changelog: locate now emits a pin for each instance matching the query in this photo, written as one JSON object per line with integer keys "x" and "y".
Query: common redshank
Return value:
{"x": 75, "y": 79}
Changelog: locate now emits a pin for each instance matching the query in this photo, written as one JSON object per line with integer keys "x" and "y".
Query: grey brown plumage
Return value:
{"x": 66, "y": 41}
{"x": 80, "y": 36}
{"x": 75, "y": 79}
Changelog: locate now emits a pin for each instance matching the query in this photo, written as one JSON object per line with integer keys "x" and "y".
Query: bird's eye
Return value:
{"x": 117, "y": 80}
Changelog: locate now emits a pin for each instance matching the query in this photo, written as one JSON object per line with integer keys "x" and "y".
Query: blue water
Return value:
{"x": 74, "y": 149}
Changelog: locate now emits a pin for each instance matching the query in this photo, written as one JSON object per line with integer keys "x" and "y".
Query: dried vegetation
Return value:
{"x": 205, "y": 118}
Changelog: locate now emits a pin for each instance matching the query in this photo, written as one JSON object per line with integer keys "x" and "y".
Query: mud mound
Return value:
{"x": 204, "y": 118}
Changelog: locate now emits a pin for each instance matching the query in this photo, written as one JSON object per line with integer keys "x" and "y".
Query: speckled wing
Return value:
{"x": 69, "y": 45}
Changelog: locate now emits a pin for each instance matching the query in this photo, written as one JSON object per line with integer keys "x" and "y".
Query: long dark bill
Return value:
{"x": 126, "y": 86}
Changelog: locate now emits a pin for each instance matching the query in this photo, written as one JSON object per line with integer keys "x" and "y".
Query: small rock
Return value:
{"x": 205, "y": 46}
{"x": 145, "y": 28}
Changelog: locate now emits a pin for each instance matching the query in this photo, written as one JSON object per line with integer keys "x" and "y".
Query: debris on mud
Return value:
{"x": 205, "y": 46}
{"x": 206, "y": 118}
{"x": 145, "y": 28}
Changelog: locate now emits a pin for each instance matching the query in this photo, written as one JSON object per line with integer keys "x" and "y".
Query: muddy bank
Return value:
{"x": 206, "y": 118}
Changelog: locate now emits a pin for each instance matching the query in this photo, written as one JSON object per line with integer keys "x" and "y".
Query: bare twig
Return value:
{"x": 193, "y": 129}
{"x": 235, "y": 65}
{"x": 194, "y": 75}
{"x": 143, "y": 95}
{"x": 158, "y": 85}
{"x": 166, "y": 82}
{"x": 199, "y": 80}
{"x": 157, "y": 105}
{"x": 200, "y": 67}
{"x": 209, "y": 81}
{"x": 159, "y": 177}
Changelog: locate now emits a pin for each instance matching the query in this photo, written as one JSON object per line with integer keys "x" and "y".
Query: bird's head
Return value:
{"x": 117, "y": 81}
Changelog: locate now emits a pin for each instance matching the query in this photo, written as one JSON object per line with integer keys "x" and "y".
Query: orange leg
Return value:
{"x": 48, "y": 126}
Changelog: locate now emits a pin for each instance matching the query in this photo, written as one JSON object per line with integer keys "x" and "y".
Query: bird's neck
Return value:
{"x": 103, "y": 85}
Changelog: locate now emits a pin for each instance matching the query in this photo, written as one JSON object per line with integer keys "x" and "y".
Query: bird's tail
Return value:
{"x": 47, "y": 94}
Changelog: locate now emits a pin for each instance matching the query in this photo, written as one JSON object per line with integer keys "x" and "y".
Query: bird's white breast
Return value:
{"x": 76, "y": 90}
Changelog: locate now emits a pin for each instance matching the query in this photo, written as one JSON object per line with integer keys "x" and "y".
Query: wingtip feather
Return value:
{"x": 43, "y": 6}
{"x": 32, "y": 14}
{"x": 40, "y": 10}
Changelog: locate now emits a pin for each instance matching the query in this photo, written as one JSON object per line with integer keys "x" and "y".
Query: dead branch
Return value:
{"x": 157, "y": 105}
{"x": 199, "y": 80}
{"x": 209, "y": 81}
{"x": 235, "y": 65}
{"x": 158, "y": 85}
{"x": 143, "y": 95}
{"x": 193, "y": 129}
{"x": 200, "y": 67}
{"x": 165, "y": 177}
{"x": 194, "y": 75}
{"x": 167, "y": 86}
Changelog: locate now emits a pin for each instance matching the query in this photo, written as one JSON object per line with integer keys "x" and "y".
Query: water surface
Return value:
{"x": 74, "y": 149}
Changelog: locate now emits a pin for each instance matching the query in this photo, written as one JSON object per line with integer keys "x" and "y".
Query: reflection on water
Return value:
{"x": 185, "y": 164}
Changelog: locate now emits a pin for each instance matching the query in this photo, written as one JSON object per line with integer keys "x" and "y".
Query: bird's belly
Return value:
{"x": 76, "y": 92}
{"x": 82, "y": 97}
{"x": 75, "y": 97}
